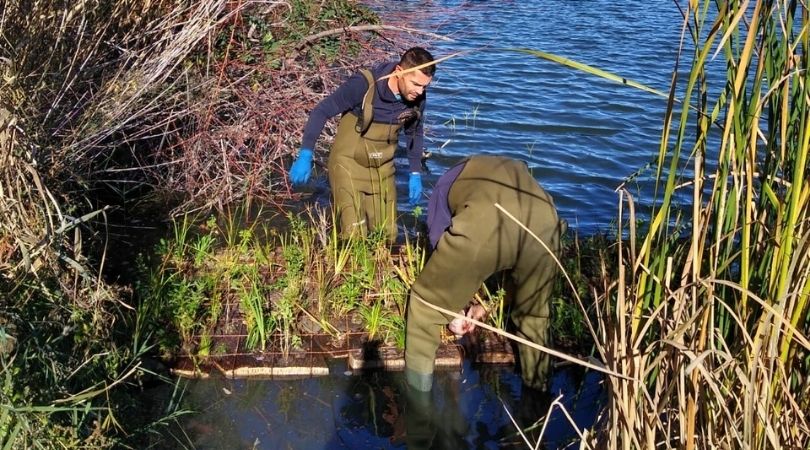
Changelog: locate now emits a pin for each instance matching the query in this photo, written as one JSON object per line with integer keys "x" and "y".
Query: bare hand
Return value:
{"x": 460, "y": 327}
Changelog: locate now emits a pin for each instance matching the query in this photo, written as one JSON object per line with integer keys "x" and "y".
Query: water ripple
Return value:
{"x": 581, "y": 135}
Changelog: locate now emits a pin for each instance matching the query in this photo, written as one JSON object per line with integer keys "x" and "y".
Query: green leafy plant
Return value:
{"x": 202, "y": 248}
{"x": 372, "y": 318}
{"x": 394, "y": 324}
{"x": 259, "y": 325}
{"x": 284, "y": 314}
{"x": 495, "y": 304}
{"x": 179, "y": 244}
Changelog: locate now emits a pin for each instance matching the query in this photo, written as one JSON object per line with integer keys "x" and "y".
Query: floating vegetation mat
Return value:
{"x": 308, "y": 359}
{"x": 229, "y": 356}
{"x": 241, "y": 300}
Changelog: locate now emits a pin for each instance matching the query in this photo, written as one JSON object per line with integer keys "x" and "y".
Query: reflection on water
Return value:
{"x": 466, "y": 409}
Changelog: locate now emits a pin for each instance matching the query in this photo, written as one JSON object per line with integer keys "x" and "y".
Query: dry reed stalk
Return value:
{"x": 715, "y": 322}
{"x": 102, "y": 84}
{"x": 703, "y": 396}
{"x": 83, "y": 85}
{"x": 39, "y": 242}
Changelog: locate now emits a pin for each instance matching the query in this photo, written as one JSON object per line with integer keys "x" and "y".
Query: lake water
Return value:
{"x": 580, "y": 134}
{"x": 468, "y": 409}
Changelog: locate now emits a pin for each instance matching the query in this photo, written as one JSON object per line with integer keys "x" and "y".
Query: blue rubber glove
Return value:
{"x": 414, "y": 188}
{"x": 301, "y": 167}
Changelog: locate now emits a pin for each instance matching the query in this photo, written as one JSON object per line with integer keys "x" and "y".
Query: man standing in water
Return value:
{"x": 473, "y": 240}
{"x": 361, "y": 167}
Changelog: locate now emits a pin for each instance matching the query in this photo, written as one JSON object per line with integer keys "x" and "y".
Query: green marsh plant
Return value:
{"x": 260, "y": 325}
{"x": 372, "y": 317}
{"x": 202, "y": 248}
{"x": 285, "y": 315}
{"x": 228, "y": 272}
{"x": 494, "y": 303}
{"x": 410, "y": 261}
{"x": 394, "y": 324}
{"x": 340, "y": 250}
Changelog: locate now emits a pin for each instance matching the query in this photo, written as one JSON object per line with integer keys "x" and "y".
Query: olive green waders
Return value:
{"x": 481, "y": 241}
{"x": 361, "y": 171}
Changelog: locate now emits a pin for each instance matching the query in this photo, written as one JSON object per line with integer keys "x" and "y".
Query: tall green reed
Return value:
{"x": 711, "y": 322}
{"x": 707, "y": 317}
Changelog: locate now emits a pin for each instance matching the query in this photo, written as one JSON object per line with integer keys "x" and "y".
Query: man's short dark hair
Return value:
{"x": 416, "y": 56}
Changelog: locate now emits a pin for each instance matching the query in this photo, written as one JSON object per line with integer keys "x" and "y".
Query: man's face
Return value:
{"x": 412, "y": 84}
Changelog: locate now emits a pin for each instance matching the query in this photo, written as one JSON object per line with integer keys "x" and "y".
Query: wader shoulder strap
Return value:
{"x": 367, "y": 111}
{"x": 418, "y": 110}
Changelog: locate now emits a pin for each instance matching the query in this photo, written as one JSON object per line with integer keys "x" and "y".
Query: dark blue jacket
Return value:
{"x": 387, "y": 109}
{"x": 439, "y": 215}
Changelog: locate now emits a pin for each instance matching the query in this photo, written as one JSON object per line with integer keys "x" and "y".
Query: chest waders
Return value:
{"x": 480, "y": 242}
{"x": 361, "y": 171}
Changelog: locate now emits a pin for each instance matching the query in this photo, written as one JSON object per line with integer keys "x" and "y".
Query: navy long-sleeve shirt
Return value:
{"x": 439, "y": 215}
{"x": 387, "y": 109}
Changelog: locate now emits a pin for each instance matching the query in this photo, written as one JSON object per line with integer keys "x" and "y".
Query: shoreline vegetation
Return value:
{"x": 232, "y": 286}
{"x": 145, "y": 106}
{"x": 106, "y": 110}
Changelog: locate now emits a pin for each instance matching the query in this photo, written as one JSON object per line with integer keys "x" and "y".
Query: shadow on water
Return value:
{"x": 373, "y": 409}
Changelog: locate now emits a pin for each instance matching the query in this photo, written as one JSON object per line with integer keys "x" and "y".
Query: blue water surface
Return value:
{"x": 581, "y": 135}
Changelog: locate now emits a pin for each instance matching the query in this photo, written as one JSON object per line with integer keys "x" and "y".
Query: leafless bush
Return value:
{"x": 257, "y": 93}
{"x": 201, "y": 98}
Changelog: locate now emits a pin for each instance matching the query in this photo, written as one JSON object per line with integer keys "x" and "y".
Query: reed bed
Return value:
{"x": 58, "y": 362}
{"x": 707, "y": 319}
